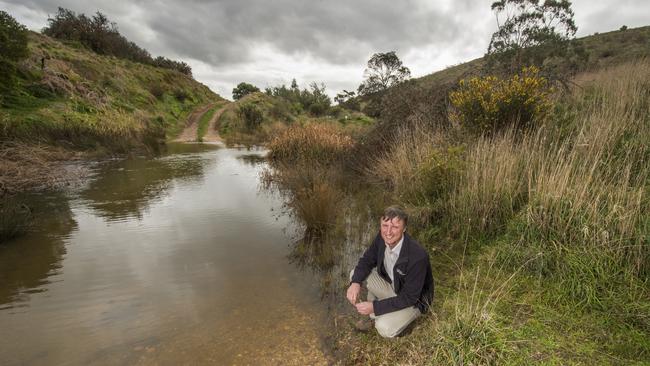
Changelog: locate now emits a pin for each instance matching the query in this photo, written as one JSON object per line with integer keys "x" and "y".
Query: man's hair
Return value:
{"x": 392, "y": 212}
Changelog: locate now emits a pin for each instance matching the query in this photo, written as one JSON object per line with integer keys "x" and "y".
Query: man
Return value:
{"x": 398, "y": 277}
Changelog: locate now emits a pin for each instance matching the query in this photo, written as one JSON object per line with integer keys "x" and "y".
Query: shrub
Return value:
{"x": 251, "y": 115}
{"x": 181, "y": 95}
{"x": 489, "y": 104}
{"x": 103, "y": 37}
{"x": 419, "y": 167}
{"x": 316, "y": 143}
{"x": 157, "y": 90}
{"x": 243, "y": 89}
{"x": 13, "y": 48}
{"x": 314, "y": 100}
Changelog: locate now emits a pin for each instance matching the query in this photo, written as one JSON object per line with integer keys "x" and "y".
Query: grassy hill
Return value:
{"x": 258, "y": 117}
{"x": 70, "y": 96}
{"x": 538, "y": 235}
{"x": 69, "y": 100}
{"x": 602, "y": 49}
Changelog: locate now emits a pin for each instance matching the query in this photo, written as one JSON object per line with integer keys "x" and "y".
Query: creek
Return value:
{"x": 177, "y": 259}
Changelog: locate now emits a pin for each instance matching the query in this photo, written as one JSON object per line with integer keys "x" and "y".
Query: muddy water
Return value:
{"x": 180, "y": 259}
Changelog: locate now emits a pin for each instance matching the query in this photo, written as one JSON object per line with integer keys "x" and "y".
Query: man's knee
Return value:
{"x": 385, "y": 329}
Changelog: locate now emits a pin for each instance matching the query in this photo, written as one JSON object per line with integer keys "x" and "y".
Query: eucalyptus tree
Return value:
{"x": 383, "y": 71}
{"x": 531, "y": 31}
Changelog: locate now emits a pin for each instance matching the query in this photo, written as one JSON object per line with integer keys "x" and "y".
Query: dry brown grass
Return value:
{"x": 316, "y": 142}
{"x": 27, "y": 166}
{"x": 399, "y": 164}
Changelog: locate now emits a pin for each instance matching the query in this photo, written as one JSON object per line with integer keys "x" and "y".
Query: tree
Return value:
{"x": 13, "y": 48}
{"x": 316, "y": 100}
{"x": 102, "y": 36}
{"x": 347, "y": 99}
{"x": 384, "y": 70}
{"x": 344, "y": 96}
{"x": 251, "y": 115}
{"x": 532, "y": 32}
{"x": 243, "y": 89}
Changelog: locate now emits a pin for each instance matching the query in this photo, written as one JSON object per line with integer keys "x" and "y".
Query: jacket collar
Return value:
{"x": 403, "y": 254}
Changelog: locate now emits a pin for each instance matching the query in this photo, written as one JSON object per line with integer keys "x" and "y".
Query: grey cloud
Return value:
{"x": 222, "y": 32}
{"x": 220, "y": 38}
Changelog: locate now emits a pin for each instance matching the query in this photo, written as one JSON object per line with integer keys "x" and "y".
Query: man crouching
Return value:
{"x": 398, "y": 277}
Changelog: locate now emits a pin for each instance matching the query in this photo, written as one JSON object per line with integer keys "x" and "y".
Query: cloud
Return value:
{"x": 268, "y": 42}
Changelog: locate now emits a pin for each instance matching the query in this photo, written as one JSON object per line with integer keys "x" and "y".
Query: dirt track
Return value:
{"x": 190, "y": 133}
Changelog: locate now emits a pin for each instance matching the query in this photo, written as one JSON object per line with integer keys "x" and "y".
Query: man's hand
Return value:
{"x": 353, "y": 293}
{"x": 365, "y": 308}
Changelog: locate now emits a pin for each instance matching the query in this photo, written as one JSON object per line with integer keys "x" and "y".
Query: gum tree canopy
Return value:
{"x": 384, "y": 70}
{"x": 532, "y": 30}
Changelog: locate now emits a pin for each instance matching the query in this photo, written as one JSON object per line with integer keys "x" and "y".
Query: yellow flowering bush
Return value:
{"x": 488, "y": 104}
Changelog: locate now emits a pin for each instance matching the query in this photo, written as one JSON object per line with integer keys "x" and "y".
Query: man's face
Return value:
{"x": 391, "y": 230}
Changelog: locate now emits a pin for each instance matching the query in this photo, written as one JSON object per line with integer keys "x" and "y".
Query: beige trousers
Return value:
{"x": 390, "y": 324}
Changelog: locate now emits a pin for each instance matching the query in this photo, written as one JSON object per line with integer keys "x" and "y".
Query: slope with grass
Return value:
{"x": 538, "y": 236}
{"x": 539, "y": 242}
{"x": 258, "y": 117}
{"x": 70, "y": 96}
{"x": 69, "y": 100}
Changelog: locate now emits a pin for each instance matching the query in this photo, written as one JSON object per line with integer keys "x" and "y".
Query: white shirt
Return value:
{"x": 390, "y": 257}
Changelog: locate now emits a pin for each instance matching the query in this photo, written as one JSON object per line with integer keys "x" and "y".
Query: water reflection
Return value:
{"x": 252, "y": 159}
{"x": 124, "y": 189}
{"x": 28, "y": 263}
{"x": 337, "y": 224}
{"x": 194, "y": 271}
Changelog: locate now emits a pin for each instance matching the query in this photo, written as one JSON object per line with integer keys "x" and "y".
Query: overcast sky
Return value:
{"x": 269, "y": 42}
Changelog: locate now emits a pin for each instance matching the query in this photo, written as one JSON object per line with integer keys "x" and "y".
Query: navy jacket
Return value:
{"x": 412, "y": 273}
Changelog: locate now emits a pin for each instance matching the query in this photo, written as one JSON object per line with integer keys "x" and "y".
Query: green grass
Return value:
{"x": 203, "y": 123}
{"x": 87, "y": 101}
{"x": 539, "y": 241}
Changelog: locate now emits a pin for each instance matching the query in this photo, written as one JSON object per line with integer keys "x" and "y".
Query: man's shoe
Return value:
{"x": 364, "y": 324}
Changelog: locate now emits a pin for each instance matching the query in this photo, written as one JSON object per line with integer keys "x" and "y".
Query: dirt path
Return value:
{"x": 211, "y": 134}
{"x": 189, "y": 134}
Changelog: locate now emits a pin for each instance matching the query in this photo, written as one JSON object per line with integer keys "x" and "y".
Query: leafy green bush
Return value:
{"x": 243, "y": 89}
{"x": 488, "y": 104}
{"x": 103, "y": 37}
{"x": 314, "y": 100}
{"x": 436, "y": 174}
{"x": 157, "y": 90}
{"x": 13, "y": 48}
{"x": 251, "y": 115}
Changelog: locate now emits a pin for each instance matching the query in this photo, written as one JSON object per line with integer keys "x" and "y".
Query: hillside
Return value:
{"x": 602, "y": 49}
{"x": 425, "y": 97}
{"x": 537, "y": 232}
{"x": 69, "y": 95}
{"x": 257, "y": 117}
{"x": 69, "y": 100}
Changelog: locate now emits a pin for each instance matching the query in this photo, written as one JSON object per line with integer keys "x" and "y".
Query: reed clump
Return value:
{"x": 317, "y": 142}
{"x": 419, "y": 166}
